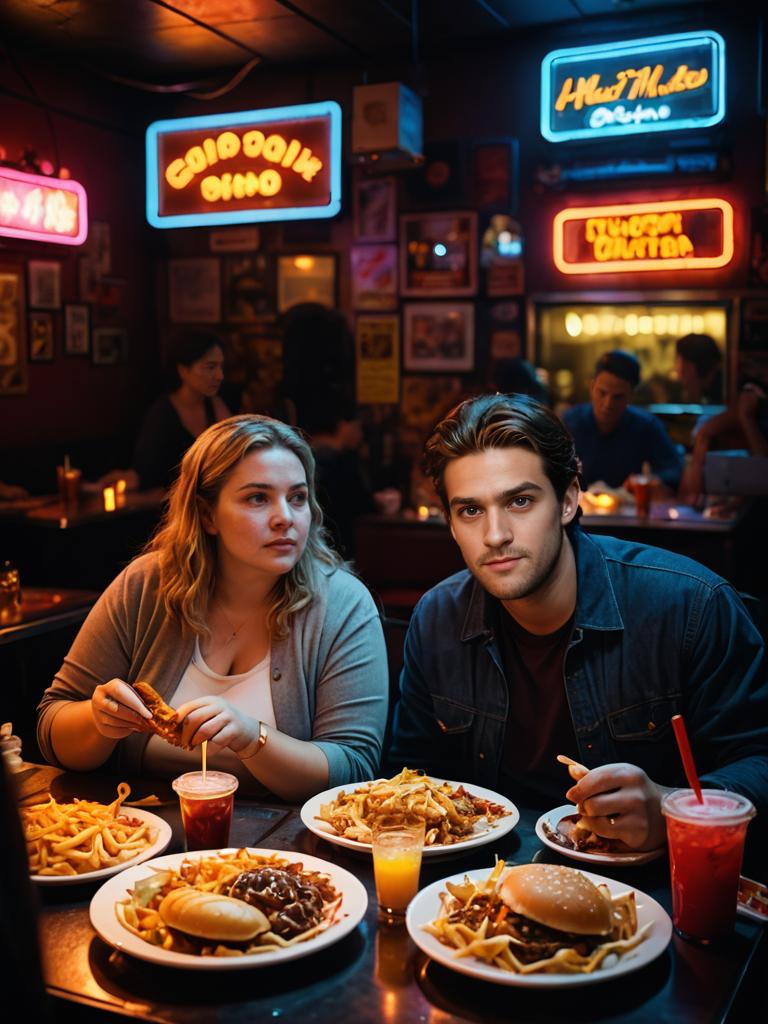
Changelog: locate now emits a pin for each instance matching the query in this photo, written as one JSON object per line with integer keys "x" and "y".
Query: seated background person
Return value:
{"x": 195, "y": 363}
{"x": 613, "y": 439}
{"x": 697, "y": 363}
{"x": 243, "y": 619}
{"x": 557, "y": 641}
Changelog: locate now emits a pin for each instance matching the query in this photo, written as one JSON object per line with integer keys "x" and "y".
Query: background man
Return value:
{"x": 613, "y": 439}
{"x": 556, "y": 641}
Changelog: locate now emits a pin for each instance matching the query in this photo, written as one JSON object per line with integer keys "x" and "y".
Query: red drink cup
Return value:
{"x": 706, "y": 845}
{"x": 641, "y": 488}
{"x": 206, "y": 808}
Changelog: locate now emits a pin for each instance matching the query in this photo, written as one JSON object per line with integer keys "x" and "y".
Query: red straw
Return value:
{"x": 684, "y": 747}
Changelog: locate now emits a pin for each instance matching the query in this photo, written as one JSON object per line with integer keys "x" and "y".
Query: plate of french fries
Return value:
{"x": 86, "y": 841}
{"x": 456, "y": 817}
{"x": 127, "y": 910}
{"x": 435, "y": 924}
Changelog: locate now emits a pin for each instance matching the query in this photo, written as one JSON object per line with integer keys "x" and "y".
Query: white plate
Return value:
{"x": 163, "y": 838}
{"x": 614, "y": 859}
{"x": 104, "y": 918}
{"x": 425, "y": 907}
{"x": 484, "y": 833}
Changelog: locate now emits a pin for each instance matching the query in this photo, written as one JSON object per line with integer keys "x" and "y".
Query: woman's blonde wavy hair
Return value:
{"x": 187, "y": 553}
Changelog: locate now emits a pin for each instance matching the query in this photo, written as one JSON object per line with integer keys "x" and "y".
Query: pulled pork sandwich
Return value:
{"x": 292, "y": 902}
{"x": 537, "y": 918}
{"x": 163, "y": 720}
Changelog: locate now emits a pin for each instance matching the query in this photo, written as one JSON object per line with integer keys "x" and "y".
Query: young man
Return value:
{"x": 613, "y": 440}
{"x": 556, "y": 641}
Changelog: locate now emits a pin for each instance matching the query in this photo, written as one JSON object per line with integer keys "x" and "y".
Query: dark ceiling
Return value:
{"x": 154, "y": 42}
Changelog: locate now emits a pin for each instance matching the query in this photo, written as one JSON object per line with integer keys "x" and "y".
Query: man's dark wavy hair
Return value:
{"x": 501, "y": 421}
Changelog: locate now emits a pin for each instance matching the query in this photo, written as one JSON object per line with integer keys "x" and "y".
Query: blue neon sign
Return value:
{"x": 660, "y": 84}
{"x": 253, "y": 165}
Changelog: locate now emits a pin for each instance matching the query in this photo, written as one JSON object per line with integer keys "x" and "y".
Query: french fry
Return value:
{"x": 82, "y": 836}
{"x": 450, "y": 816}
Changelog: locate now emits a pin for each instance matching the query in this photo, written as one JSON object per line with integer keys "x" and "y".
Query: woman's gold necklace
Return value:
{"x": 235, "y": 631}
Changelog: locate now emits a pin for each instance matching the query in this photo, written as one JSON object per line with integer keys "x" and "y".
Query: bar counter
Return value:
{"x": 375, "y": 973}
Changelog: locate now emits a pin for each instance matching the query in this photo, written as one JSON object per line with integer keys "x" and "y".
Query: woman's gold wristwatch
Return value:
{"x": 253, "y": 748}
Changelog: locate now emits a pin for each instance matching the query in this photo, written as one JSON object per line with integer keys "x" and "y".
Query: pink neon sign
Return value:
{"x": 42, "y": 208}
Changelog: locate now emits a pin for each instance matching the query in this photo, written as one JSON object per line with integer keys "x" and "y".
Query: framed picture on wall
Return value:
{"x": 109, "y": 345}
{"x": 493, "y": 176}
{"x": 438, "y": 254}
{"x": 248, "y": 291}
{"x": 44, "y": 284}
{"x": 439, "y": 336}
{"x": 194, "y": 291}
{"x": 13, "y": 355}
{"x": 40, "y": 337}
{"x": 77, "y": 335}
{"x": 375, "y": 209}
{"x": 306, "y": 277}
{"x": 374, "y": 276}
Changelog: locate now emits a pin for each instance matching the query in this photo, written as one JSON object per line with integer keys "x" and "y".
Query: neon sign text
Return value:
{"x": 278, "y": 164}
{"x": 596, "y": 91}
{"x": 687, "y": 234}
{"x": 42, "y": 208}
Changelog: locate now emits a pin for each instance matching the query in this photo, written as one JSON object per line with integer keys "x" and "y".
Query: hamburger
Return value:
{"x": 163, "y": 721}
{"x": 212, "y": 916}
{"x": 542, "y": 908}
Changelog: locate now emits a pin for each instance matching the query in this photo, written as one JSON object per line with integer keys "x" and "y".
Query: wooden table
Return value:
{"x": 44, "y": 609}
{"x": 78, "y": 545}
{"x": 375, "y": 974}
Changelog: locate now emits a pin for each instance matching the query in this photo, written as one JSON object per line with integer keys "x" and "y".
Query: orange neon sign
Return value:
{"x": 685, "y": 234}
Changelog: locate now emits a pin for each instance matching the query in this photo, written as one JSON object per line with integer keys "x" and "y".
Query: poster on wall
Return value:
{"x": 377, "y": 343}
{"x": 439, "y": 336}
{"x": 194, "y": 291}
{"x": 374, "y": 276}
{"x": 438, "y": 254}
{"x": 109, "y": 345}
{"x": 44, "y": 284}
{"x": 40, "y": 337}
{"x": 76, "y": 330}
{"x": 306, "y": 278}
{"x": 375, "y": 209}
{"x": 13, "y": 362}
{"x": 248, "y": 293}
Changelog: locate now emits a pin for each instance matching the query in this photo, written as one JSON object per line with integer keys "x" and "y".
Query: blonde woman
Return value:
{"x": 245, "y": 621}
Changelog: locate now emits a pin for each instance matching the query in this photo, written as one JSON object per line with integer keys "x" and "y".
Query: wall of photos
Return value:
{"x": 431, "y": 265}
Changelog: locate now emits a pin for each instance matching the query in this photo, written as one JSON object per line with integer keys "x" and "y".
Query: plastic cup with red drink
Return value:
{"x": 706, "y": 846}
{"x": 206, "y": 808}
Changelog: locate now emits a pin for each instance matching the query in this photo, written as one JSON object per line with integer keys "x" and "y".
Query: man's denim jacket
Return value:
{"x": 654, "y": 634}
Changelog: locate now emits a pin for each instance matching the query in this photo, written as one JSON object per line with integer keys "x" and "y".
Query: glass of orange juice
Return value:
{"x": 397, "y": 853}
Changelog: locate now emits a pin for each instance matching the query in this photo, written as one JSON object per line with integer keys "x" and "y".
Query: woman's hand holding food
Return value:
{"x": 117, "y": 710}
{"x": 619, "y": 801}
{"x": 213, "y": 718}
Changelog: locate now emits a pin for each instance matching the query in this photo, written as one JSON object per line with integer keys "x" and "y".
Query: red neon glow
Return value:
{"x": 43, "y": 209}
{"x": 687, "y": 234}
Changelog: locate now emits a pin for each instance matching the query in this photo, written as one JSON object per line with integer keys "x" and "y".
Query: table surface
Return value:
{"x": 89, "y": 508}
{"x": 376, "y": 973}
{"x": 46, "y": 608}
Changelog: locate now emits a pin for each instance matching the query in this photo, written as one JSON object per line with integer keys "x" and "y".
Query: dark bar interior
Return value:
{"x": 384, "y": 463}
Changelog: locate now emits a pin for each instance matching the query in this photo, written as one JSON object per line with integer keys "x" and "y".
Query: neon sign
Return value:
{"x": 42, "y": 208}
{"x": 254, "y": 165}
{"x": 661, "y": 84}
{"x": 689, "y": 234}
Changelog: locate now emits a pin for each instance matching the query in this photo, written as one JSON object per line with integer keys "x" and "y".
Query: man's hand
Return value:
{"x": 214, "y": 719}
{"x": 619, "y": 801}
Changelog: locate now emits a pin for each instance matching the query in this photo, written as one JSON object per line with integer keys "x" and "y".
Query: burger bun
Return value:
{"x": 207, "y": 915}
{"x": 557, "y": 897}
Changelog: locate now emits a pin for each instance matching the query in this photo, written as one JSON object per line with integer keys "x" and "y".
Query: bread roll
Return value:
{"x": 207, "y": 915}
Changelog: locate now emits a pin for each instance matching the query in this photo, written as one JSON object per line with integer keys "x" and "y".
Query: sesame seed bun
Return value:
{"x": 557, "y": 897}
